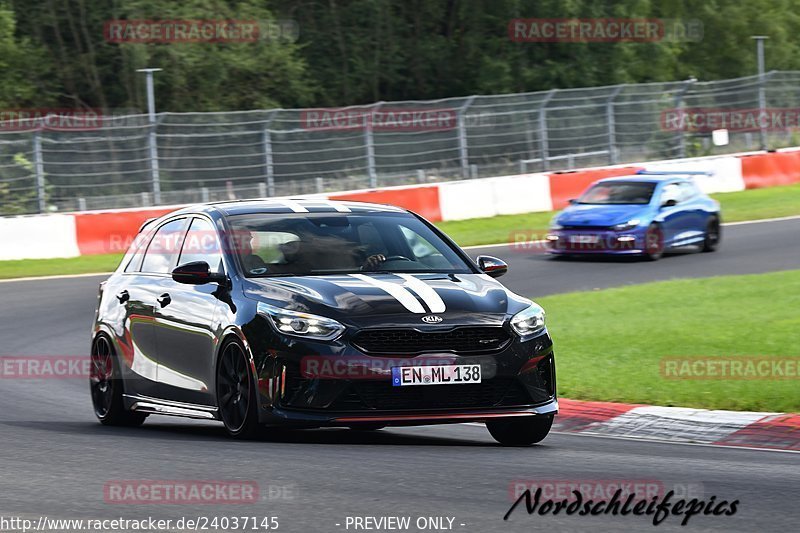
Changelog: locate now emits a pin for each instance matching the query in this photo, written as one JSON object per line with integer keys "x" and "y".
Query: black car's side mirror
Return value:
{"x": 670, "y": 203}
{"x": 572, "y": 201}
{"x": 196, "y": 273}
{"x": 492, "y": 266}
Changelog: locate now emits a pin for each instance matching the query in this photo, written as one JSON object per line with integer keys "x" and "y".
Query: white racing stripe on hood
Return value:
{"x": 426, "y": 292}
{"x": 400, "y": 293}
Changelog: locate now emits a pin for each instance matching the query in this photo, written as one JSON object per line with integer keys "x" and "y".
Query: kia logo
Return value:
{"x": 432, "y": 319}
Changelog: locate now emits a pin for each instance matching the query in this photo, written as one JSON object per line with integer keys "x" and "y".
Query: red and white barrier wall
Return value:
{"x": 88, "y": 233}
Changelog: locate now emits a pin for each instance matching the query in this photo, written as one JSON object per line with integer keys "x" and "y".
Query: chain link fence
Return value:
{"x": 131, "y": 161}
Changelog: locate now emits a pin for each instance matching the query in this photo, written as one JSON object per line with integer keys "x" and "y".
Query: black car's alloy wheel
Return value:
{"x": 712, "y": 236}
{"x": 106, "y": 387}
{"x": 520, "y": 431}
{"x": 236, "y": 394}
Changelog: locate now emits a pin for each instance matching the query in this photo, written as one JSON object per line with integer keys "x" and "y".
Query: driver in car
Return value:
{"x": 320, "y": 253}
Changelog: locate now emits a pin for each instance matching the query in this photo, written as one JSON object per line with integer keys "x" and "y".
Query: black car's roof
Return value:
{"x": 288, "y": 206}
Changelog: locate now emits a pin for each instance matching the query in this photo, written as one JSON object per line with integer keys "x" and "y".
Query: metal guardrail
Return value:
{"x": 186, "y": 157}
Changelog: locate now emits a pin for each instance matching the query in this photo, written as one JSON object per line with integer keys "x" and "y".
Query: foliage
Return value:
{"x": 361, "y": 51}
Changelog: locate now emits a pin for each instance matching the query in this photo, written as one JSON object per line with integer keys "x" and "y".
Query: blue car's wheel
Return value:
{"x": 713, "y": 235}
{"x": 653, "y": 242}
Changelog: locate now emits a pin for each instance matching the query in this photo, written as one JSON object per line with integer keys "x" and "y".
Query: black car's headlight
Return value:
{"x": 301, "y": 324}
{"x": 528, "y": 321}
{"x": 627, "y": 225}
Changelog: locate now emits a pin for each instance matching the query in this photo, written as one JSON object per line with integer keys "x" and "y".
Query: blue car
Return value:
{"x": 645, "y": 215}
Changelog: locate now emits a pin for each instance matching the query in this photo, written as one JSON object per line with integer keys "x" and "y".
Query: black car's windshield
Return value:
{"x": 339, "y": 243}
{"x": 619, "y": 192}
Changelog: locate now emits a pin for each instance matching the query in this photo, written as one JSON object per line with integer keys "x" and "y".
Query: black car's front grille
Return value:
{"x": 407, "y": 341}
{"x": 382, "y": 396}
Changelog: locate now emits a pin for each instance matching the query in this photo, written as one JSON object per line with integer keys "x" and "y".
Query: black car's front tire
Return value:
{"x": 105, "y": 384}
{"x": 236, "y": 392}
{"x": 520, "y": 431}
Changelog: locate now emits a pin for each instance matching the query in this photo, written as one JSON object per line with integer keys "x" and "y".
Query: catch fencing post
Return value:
{"x": 369, "y": 141}
{"x": 38, "y": 168}
{"x": 151, "y": 114}
{"x": 678, "y": 103}
{"x": 612, "y": 133}
{"x": 543, "y": 141}
{"x": 463, "y": 151}
{"x": 762, "y": 102}
{"x": 268, "y": 166}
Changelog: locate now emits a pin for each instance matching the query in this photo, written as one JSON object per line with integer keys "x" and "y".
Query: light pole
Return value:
{"x": 762, "y": 102}
{"x": 151, "y": 112}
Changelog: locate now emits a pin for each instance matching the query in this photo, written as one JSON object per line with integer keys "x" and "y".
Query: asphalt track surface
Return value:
{"x": 55, "y": 459}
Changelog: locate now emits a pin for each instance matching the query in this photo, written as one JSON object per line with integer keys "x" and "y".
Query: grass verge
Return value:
{"x": 610, "y": 343}
{"x": 53, "y": 267}
{"x": 736, "y": 206}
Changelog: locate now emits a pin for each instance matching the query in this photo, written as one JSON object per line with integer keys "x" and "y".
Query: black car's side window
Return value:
{"x": 201, "y": 244}
{"x": 164, "y": 247}
{"x": 135, "y": 253}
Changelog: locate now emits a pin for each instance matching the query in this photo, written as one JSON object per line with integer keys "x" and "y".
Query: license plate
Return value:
{"x": 584, "y": 239}
{"x": 435, "y": 375}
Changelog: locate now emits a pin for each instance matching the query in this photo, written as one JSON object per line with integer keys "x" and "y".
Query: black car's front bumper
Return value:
{"x": 517, "y": 380}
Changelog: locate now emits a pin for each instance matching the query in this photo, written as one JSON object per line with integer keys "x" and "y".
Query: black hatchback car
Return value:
{"x": 312, "y": 313}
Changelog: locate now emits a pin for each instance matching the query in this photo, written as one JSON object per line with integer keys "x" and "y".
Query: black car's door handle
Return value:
{"x": 123, "y": 296}
{"x": 164, "y": 300}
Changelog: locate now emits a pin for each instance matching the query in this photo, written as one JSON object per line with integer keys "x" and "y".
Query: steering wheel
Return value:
{"x": 397, "y": 258}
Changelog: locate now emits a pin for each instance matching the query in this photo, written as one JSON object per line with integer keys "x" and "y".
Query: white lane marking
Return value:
{"x": 294, "y": 206}
{"x": 679, "y": 423}
{"x": 61, "y": 276}
{"x": 524, "y": 244}
{"x": 426, "y": 292}
{"x": 761, "y": 221}
{"x": 399, "y": 292}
